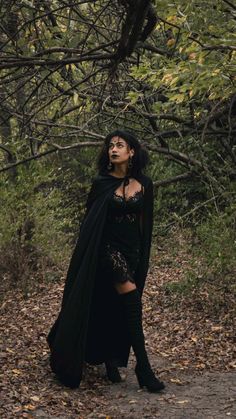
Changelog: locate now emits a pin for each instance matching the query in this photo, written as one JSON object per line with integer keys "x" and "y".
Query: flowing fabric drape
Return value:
{"x": 68, "y": 337}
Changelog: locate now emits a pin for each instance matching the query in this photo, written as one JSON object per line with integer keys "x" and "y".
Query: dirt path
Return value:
{"x": 209, "y": 396}
{"x": 192, "y": 352}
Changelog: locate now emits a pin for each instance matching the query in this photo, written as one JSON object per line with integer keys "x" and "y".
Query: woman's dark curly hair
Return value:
{"x": 139, "y": 160}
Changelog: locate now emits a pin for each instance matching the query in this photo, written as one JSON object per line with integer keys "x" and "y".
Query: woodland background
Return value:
{"x": 70, "y": 72}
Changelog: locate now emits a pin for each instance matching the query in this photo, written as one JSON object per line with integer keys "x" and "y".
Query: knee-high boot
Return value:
{"x": 132, "y": 306}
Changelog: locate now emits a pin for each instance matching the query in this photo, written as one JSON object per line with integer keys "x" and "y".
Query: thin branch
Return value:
{"x": 174, "y": 179}
{"x": 4, "y": 148}
{"x": 56, "y": 148}
{"x": 33, "y": 62}
{"x": 230, "y": 4}
{"x": 168, "y": 152}
{"x": 77, "y": 145}
{"x": 176, "y": 154}
{"x": 53, "y": 50}
{"x": 219, "y": 47}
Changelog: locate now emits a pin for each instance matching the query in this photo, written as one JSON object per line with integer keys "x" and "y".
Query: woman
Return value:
{"x": 101, "y": 313}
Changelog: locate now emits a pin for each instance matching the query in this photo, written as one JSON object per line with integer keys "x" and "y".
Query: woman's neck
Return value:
{"x": 120, "y": 171}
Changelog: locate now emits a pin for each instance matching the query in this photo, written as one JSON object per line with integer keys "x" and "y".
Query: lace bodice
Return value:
{"x": 133, "y": 197}
{"x": 120, "y": 247}
{"x": 121, "y": 208}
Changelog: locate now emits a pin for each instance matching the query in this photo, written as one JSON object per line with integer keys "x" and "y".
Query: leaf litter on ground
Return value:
{"x": 180, "y": 332}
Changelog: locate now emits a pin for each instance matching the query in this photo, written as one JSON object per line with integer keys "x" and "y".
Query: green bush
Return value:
{"x": 208, "y": 279}
{"x": 217, "y": 243}
{"x": 35, "y": 227}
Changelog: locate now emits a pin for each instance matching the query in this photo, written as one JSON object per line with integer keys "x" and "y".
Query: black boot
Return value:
{"x": 112, "y": 372}
{"x": 133, "y": 314}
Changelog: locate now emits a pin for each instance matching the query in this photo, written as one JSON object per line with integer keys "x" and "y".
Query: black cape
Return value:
{"x": 70, "y": 339}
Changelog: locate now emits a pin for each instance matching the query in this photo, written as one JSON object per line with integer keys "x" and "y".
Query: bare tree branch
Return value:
{"x": 4, "y": 148}
{"x": 230, "y": 4}
{"x": 50, "y": 151}
{"x": 34, "y": 62}
{"x": 174, "y": 179}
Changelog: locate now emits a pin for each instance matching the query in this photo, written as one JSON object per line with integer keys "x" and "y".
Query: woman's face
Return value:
{"x": 119, "y": 151}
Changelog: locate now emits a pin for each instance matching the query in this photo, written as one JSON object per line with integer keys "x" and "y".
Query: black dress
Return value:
{"x": 118, "y": 259}
{"x": 90, "y": 325}
{"x": 121, "y": 240}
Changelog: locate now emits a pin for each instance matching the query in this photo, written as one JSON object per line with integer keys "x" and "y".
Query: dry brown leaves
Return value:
{"x": 187, "y": 329}
{"x": 176, "y": 330}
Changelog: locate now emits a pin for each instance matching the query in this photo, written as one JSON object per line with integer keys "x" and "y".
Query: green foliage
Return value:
{"x": 212, "y": 249}
{"x": 184, "y": 287}
{"x": 41, "y": 211}
{"x": 167, "y": 92}
{"x": 217, "y": 243}
{"x": 35, "y": 226}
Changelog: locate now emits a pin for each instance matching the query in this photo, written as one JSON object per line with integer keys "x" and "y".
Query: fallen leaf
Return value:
{"x": 182, "y": 401}
{"x": 29, "y": 407}
{"x": 176, "y": 381}
{"x": 16, "y": 371}
{"x": 35, "y": 398}
{"x": 216, "y": 328}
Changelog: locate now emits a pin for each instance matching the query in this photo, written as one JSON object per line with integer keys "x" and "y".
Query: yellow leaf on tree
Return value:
{"x": 192, "y": 56}
{"x": 171, "y": 42}
{"x": 75, "y": 98}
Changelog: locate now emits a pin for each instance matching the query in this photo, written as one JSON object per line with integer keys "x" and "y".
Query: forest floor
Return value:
{"x": 191, "y": 348}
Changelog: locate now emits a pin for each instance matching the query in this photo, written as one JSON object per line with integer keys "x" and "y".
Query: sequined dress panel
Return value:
{"x": 120, "y": 246}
